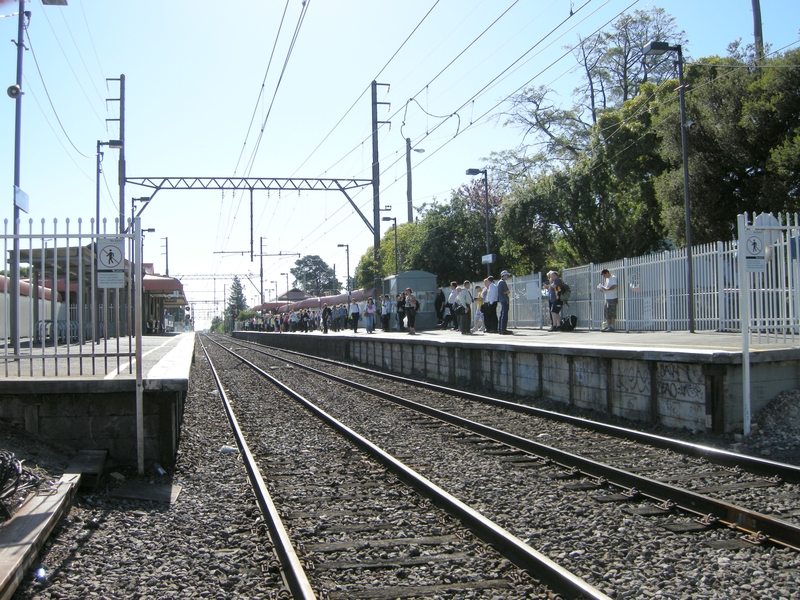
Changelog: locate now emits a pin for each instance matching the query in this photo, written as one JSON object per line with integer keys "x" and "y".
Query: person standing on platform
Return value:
{"x": 609, "y": 289}
{"x": 386, "y": 312}
{"x": 355, "y": 315}
{"x": 411, "y": 310}
{"x": 479, "y": 324}
{"x": 326, "y": 314}
{"x": 439, "y": 305}
{"x": 490, "y": 308}
{"x": 401, "y": 311}
{"x": 466, "y": 299}
{"x": 450, "y": 316}
{"x": 369, "y": 316}
{"x": 503, "y": 297}
{"x": 554, "y": 285}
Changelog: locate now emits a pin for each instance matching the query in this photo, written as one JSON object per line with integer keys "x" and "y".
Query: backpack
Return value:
{"x": 566, "y": 292}
{"x": 569, "y": 323}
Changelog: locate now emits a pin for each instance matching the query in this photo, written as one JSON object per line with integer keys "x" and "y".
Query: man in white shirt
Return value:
{"x": 609, "y": 289}
{"x": 492, "y": 296}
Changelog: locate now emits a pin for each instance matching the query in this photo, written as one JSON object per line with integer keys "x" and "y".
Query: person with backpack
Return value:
{"x": 554, "y": 285}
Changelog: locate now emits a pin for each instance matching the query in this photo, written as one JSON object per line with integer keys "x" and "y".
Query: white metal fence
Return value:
{"x": 76, "y": 310}
{"x": 653, "y": 294}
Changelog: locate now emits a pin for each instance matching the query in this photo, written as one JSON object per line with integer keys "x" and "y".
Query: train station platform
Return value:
{"x": 81, "y": 408}
{"x": 678, "y": 379}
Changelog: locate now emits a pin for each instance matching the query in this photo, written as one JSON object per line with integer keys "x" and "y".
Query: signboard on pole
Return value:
{"x": 111, "y": 264}
{"x": 755, "y": 259}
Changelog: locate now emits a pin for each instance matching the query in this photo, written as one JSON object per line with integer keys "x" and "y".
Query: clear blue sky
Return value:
{"x": 194, "y": 71}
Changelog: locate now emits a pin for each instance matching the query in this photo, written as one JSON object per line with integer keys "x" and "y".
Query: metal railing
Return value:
{"x": 76, "y": 310}
{"x": 653, "y": 294}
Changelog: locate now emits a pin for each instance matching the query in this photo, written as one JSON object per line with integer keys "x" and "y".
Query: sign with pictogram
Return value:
{"x": 110, "y": 256}
{"x": 754, "y": 256}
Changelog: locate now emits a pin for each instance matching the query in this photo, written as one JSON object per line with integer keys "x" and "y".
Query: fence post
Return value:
{"x": 138, "y": 328}
{"x": 668, "y": 289}
{"x": 744, "y": 315}
{"x": 720, "y": 285}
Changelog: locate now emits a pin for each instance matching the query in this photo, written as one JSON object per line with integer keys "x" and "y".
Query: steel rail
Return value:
{"x": 736, "y": 517}
{"x": 753, "y": 464}
{"x": 514, "y": 549}
{"x": 294, "y": 574}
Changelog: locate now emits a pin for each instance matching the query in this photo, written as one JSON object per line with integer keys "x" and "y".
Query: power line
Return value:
{"x": 306, "y": 4}
{"x": 55, "y": 112}
{"x": 347, "y": 112}
{"x": 75, "y": 75}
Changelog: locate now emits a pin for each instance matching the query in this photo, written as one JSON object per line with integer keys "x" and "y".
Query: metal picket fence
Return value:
{"x": 74, "y": 314}
{"x": 653, "y": 294}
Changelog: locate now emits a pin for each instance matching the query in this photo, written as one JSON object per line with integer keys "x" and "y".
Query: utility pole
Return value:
{"x": 757, "y": 33}
{"x": 166, "y": 252}
{"x": 121, "y": 170}
{"x": 376, "y": 194}
{"x": 261, "y": 256}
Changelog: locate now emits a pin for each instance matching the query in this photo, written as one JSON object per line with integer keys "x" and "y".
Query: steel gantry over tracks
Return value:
{"x": 281, "y": 184}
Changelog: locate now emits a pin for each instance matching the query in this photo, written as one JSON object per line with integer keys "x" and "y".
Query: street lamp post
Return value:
{"x": 20, "y": 202}
{"x": 287, "y": 286}
{"x": 656, "y": 49}
{"x": 347, "y": 276}
{"x": 408, "y": 180}
{"x": 486, "y": 212}
{"x": 395, "y": 240}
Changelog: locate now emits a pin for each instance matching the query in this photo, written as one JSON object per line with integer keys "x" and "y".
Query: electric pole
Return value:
{"x": 376, "y": 194}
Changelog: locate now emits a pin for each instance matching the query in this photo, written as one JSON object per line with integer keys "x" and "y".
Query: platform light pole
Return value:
{"x": 485, "y": 210}
{"x": 347, "y": 276}
{"x": 408, "y": 180}
{"x": 20, "y": 198}
{"x": 287, "y": 286}
{"x": 395, "y": 240}
{"x": 657, "y": 49}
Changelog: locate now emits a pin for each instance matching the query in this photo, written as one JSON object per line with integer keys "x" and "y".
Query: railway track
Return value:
{"x": 356, "y": 527}
{"x": 552, "y": 476}
{"x": 767, "y": 487}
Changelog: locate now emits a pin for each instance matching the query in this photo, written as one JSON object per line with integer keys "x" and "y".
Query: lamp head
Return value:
{"x": 387, "y": 219}
{"x": 657, "y": 48}
{"x": 474, "y": 171}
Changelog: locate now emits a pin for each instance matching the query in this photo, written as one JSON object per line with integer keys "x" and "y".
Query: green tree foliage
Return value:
{"x": 450, "y": 239}
{"x": 583, "y": 180}
{"x": 236, "y": 300}
{"x": 314, "y": 276}
{"x": 217, "y": 325}
{"x": 744, "y": 151}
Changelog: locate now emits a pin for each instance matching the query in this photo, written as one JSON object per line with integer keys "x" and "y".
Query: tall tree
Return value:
{"x": 314, "y": 276}
{"x": 236, "y": 298}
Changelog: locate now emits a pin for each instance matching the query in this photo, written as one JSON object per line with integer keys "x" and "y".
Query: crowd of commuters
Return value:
{"x": 484, "y": 309}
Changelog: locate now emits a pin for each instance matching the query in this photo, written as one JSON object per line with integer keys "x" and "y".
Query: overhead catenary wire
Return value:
{"x": 249, "y": 167}
{"x": 366, "y": 89}
{"x": 253, "y": 116}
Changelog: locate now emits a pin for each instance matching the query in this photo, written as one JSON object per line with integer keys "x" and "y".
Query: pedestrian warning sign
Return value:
{"x": 754, "y": 256}
{"x": 110, "y": 256}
